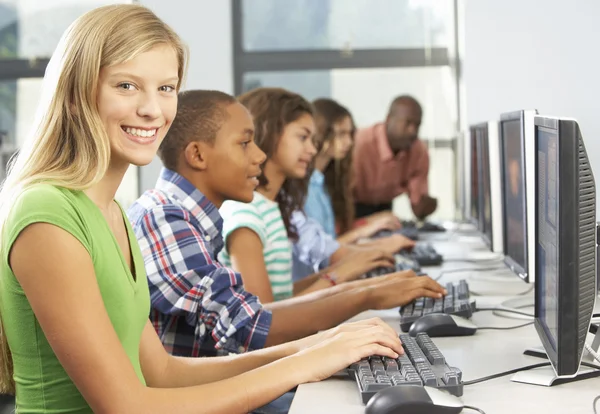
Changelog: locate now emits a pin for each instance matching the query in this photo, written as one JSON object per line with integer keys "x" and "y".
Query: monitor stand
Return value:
{"x": 546, "y": 376}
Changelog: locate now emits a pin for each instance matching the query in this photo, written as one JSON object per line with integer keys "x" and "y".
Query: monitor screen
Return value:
{"x": 474, "y": 177}
{"x": 486, "y": 190}
{"x": 548, "y": 245}
{"x": 513, "y": 188}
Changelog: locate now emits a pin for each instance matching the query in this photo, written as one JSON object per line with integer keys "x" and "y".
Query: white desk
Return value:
{"x": 485, "y": 353}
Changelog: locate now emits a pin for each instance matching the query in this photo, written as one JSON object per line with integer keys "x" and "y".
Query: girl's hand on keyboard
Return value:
{"x": 345, "y": 348}
{"x": 357, "y": 264}
{"x": 394, "y": 243}
{"x": 309, "y": 341}
{"x": 384, "y": 222}
{"x": 391, "y": 293}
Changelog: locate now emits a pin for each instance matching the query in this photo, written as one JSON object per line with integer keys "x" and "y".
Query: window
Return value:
{"x": 345, "y": 24}
{"x": 368, "y": 92}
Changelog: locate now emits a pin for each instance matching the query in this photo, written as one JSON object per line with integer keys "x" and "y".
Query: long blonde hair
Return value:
{"x": 69, "y": 146}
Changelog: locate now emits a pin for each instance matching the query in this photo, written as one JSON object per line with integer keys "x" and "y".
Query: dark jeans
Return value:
{"x": 363, "y": 210}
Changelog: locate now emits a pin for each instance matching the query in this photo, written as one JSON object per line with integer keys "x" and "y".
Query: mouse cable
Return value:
{"x": 518, "y": 312}
{"x": 470, "y": 407}
{"x": 505, "y": 328}
{"x": 514, "y": 371}
{"x": 463, "y": 270}
{"x": 594, "y": 404}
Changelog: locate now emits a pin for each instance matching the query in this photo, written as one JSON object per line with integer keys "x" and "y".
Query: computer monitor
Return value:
{"x": 474, "y": 211}
{"x": 485, "y": 190}
{"x": 486, "y": 211}
{"x": 565, "y": 240}
{"x": 515, "y": 160}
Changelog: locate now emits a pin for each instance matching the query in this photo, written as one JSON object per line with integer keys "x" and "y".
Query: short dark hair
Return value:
{"x": 272, "y": 110}
{"x": 200, "y": 116}
{"x": 405, "y": 100}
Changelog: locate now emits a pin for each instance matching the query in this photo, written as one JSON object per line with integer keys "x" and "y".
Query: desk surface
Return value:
{"x": 485, "y": 353}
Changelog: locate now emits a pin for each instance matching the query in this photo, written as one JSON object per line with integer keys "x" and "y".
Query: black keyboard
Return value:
{"x": 456, "y": 302}
{"x": 426, "y": 255}
{"x": 422, "y": 364}
{"x": 410, "y": 232}
{"x": 425, "y": 227}
{"x": 429, "y": 227}
{"x": 402, "y": 263}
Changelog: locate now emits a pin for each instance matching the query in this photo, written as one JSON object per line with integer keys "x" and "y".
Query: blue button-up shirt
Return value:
{"x": 198, "y": 305}
{"x": 313, "y": 248}
{"x": 318, "y": 203}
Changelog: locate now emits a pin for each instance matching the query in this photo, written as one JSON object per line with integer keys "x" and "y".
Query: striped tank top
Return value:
{"x": 263, "y": 217}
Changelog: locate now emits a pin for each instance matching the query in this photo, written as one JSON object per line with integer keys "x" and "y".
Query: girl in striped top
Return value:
{"x": 258, "y": 236}
{"x": 262, "y": 216}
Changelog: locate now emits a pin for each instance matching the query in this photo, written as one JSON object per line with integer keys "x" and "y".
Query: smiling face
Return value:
{"x": 295, "y": 149}
{"x": 234, "y": 159}
{"x": 137, "y": 102}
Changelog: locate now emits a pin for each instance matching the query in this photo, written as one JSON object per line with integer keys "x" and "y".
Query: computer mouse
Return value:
{"x": 413, "y": 399}
{"x": 442, "y": 324}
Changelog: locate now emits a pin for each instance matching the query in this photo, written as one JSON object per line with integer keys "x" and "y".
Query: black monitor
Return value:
{"x": 565, "y": 242}
{"x": 514, "y": 200}
{"x": 474, "y": 173}
{"x": 485, "y": 187}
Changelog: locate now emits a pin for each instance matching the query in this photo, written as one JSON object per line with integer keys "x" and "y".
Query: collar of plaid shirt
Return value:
{"x": 196, "y": 203}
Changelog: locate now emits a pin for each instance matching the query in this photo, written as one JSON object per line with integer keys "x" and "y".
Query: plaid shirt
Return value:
{"x": 199, "y": 307}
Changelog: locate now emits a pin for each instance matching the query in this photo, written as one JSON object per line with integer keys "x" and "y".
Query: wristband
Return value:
{"x": 360, "y": 222}
{"x": 330, "y": 277}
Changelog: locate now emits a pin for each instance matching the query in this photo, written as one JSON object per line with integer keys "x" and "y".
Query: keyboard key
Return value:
{"x": 450, "y": 378}
{"x": 391, "y": 365}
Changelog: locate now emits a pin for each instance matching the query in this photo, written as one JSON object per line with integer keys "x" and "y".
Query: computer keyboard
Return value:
{"x": 402, "y": 263}
{"x": 425, "y": 227}
{"x": 456, "y": 302}
{"x": 426, "y": 255}
{"x": 409, "y": 232}
{"x": 422, "y": 364}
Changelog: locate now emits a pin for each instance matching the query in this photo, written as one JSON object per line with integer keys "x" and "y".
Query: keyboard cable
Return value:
{"x": 507, "y": 310}
{"x": 504, "y": 328}
{"x": 470, "y": 407}
{"x": 514, "y": 371}
{"x": 594, "y": 404}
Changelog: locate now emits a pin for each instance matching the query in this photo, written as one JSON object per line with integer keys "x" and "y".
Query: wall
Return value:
{"x": 534, "y": 54}
{"x": 205, "y": 26}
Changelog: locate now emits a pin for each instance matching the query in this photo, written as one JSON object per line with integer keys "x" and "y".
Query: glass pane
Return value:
{"x": 32, "y": 28}
{"x": 8, "y": 110}
{"x": 18, "y": 103}
{"x": 346, "y": 24}
{"x": 368, "y": 92}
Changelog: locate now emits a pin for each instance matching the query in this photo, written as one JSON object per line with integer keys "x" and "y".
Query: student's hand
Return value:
{"x": 360, "y": 262}
{"x": 393, "y": 244}
{"x": 384, "y": 222}
{"x": 345, "y": 348}
{"x": 383, "y": 214}
{"x": 305, "y": 343}
{"x": 400, "y": 288}
{"x": 425, "y": 207}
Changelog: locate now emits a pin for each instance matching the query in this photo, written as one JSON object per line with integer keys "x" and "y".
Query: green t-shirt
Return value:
{"x": 42, "y": 385}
